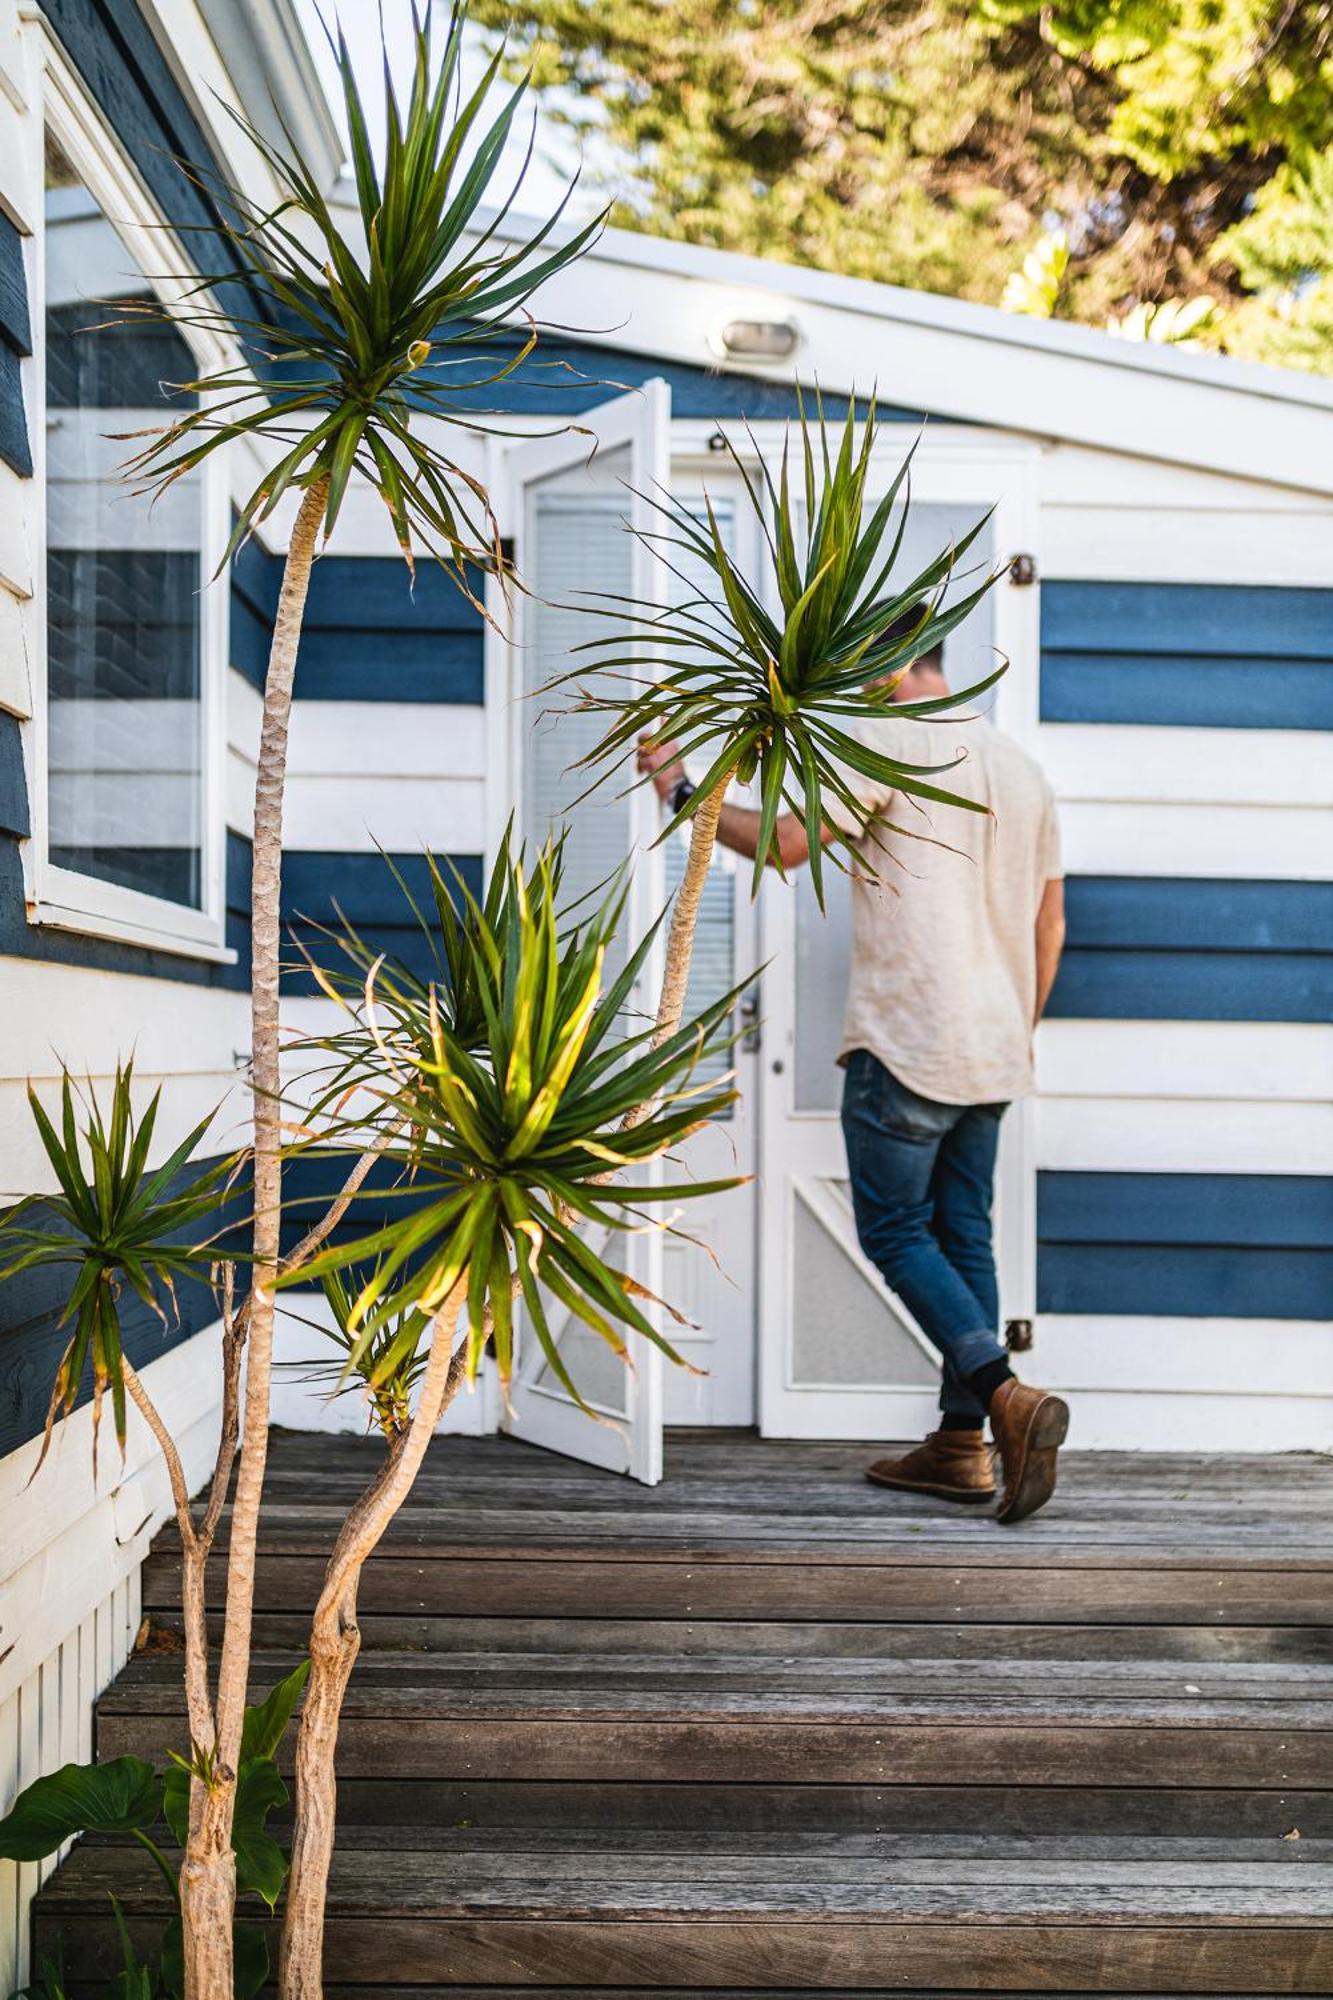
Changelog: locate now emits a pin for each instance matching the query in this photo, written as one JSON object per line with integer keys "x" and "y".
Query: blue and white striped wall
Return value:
{"x": 1184, "y": 1127}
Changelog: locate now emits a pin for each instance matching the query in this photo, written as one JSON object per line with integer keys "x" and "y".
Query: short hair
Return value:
{"x": 908, "y": 622}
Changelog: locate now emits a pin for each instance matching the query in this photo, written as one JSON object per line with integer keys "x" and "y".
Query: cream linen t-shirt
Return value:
{"x": 944, "y": 910}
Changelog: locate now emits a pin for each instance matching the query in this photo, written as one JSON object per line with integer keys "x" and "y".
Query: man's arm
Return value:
{"x": 737, "y": 826}
{"x": 1050, "y": 940}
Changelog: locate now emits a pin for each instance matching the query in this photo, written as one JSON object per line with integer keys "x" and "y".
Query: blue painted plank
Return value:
{"x": 1258, "y": 1211}
{"x": 1192, "y": 986}
{"x": 15, "y": 325}
{"x": 251, "y": 637}
{"x": 379, "y": 593}
{"x": 445, "y": 667}
{"x": 1206, "y": 620}
{"x": 15, "y": 446}
{"x": 14, "y": 818}
{"x": 1186, "y": 694}
{"x": 1182, "y": 913}
{"x": 1173, "y": 948}
{"x": 1154, "y": 1282}
{"x": 369, "y": 633}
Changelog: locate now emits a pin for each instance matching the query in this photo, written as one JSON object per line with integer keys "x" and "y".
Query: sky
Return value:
{"x": 555, "y": 157}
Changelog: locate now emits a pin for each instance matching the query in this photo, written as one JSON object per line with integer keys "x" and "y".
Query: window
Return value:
{"x": 135, "y": 638}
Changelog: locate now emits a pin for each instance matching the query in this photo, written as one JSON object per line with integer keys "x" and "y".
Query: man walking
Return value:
{"x": 958, "y": 924}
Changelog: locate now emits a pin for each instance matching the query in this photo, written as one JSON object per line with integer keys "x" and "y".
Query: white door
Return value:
{"x": 710, "y": 1264}
{"x": 839, "y": 1355}
{"x": 566, "y": 506}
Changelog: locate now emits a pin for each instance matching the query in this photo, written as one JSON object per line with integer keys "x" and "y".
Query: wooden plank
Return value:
{"x": 290, "y": 1631}
{"x": 526, "y": 1586}
{"x": 696, "y": 1808}
{"x": 997, "y": 1956}
{"x": 404, "y": 1678}
{"x": 993, "y": 1748}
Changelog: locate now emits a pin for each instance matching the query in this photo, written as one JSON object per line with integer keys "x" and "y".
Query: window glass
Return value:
{"x": 125, "y": 723}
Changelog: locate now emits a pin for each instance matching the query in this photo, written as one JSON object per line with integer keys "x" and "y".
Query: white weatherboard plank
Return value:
{"x": 1254, "y": 1357}
{"x": 402, "y": 815}
{"x": 93, "y": 1017}
{"x": 1235, "y": 1061}
{"x": 1113, "y": 763}
{"x": 366, "y": 738}
{"x": 402, "y": 739}
{"x": 1245, "y": 842}
{"x": 218, "y": 1095}
{"x": 366, "y": 774}
{"x": 1159, "y": 1135}
{"x": 1146, "y": 544}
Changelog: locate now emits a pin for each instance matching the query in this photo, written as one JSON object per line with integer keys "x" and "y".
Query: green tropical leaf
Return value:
{"x": 504, "y": 1085}
{"x": 122, "y": 1796}
{"x": 261, "y": 1865}
{"x": 356, "y": 334}
{"x": 115, "y": 1225}
{"x": 778, "y": 696}
{"x": 266, "y": 1722}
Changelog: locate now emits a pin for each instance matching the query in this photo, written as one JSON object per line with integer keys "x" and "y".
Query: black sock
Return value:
{"x": 949, "y": 1422}
{"x": 983, "y": 1382}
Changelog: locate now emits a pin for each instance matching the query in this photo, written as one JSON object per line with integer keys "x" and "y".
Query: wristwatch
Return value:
{"x": 684, "y": 790}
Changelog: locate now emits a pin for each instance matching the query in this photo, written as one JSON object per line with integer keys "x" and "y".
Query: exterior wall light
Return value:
{"x": 758, "y": 339}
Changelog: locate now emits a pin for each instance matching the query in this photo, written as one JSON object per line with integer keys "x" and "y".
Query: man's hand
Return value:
{"x": 662, "y": 762}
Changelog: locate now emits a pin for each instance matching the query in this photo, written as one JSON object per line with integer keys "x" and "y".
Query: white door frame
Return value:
{"x": 629, "y": 1441}
{"x": 799, "y": 1152}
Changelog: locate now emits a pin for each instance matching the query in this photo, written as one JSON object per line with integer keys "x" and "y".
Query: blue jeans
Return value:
{"x": 922, "y": 1177}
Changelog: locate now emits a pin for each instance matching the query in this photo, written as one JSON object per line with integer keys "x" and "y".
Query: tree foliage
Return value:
{"x": 1177, "y": 143}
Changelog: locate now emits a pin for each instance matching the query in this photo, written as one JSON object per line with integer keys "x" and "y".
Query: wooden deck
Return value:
{"x": 769, "y": 1729}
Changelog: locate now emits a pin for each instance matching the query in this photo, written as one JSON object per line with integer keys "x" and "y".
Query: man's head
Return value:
{"x": 924, "y": 679}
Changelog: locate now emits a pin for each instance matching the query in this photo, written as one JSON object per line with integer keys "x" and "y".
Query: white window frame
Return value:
{"x": 60, "y": 897}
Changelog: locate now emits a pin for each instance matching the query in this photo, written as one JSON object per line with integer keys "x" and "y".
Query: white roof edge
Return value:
{"x": 964, "y": 363}
{"x": 272, "y": 70}
{"x": 936, "y": 309}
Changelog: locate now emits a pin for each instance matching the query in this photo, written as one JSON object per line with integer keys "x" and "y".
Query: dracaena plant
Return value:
{"x": 506, "y": 1099}
{"x": 361, "y": 343}
{"x": 121, "y": 1228}
{"x": 765, "y": 677}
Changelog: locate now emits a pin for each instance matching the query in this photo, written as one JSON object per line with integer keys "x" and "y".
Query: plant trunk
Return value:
{"x": 208, "y": 1893}
{"x": 208, "y": 1875}
{"x": 685, "y": 914}
{"x": 680, "y": 931}
{"x": 335, "y": 1641}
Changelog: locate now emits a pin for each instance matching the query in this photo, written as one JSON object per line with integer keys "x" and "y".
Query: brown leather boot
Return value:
{"x": 1029, "y": 1426}
{"x": 951, "y": 1465}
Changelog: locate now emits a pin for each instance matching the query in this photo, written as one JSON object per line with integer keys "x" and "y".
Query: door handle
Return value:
{"x": 752, "y": 1033}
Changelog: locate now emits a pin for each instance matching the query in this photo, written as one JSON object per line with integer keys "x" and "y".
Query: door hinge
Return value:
{"x": 752, "y": 1032}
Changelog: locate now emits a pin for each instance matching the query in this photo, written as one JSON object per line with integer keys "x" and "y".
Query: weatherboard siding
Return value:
{"x": 1214, "y": 656}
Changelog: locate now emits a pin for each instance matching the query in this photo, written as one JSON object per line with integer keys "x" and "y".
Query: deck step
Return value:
{"x": 805, "y": 1722}
{"x": 884, "y": 1584}
{"x": 765, "y": 1730}
{"x": 942, "y": 1914}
